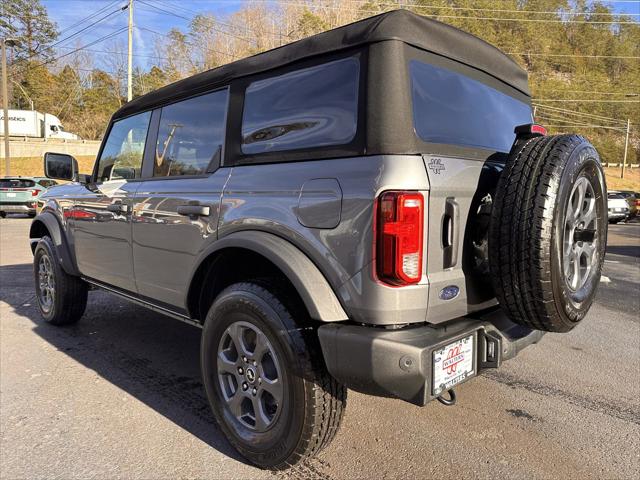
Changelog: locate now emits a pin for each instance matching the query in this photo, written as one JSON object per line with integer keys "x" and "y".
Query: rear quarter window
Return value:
{"x": 16, "y": 183}
{"x": 454, "y": 109}
{"x": 307, "y": 108}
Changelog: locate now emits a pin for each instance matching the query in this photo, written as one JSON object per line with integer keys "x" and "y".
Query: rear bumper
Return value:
{"x": 17, "y": 208}
{"x": 398, "y": 363}
{"x": 618, "y": 215}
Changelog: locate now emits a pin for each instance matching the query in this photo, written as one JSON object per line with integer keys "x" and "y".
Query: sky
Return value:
{"x": 66, "y": 13}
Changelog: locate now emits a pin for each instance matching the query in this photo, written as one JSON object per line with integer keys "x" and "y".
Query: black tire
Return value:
{"x": 535, "y": 234}
{"x": 614, "y": 221}
{"x": 3, "y": 214}
{"x": 68, "y": 301}
{"x": 313, "y": 402}
{"x": 32, "y": 215}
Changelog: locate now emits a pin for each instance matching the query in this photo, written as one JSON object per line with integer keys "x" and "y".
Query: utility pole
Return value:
{"x": 626, "y": 147}
{"x": 130, "y": 61}
{"x": 5, "y": 103}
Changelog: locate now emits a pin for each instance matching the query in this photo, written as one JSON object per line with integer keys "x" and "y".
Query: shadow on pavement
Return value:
{"x": 153, "y": 358}
{"x": 626, "y": 250}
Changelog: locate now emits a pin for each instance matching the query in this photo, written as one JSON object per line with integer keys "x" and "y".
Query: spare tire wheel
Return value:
{"x": 548, "y": 232}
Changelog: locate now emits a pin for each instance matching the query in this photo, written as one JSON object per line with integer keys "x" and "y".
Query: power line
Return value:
{"x": 571, "y": 55}
{"x": 163, "y": 35}
{"x": 589, "y": 91}
{"x": 101, "y": 39}
{"x": 122, "y": 53}
{"x": 168, "y": 12}
{"x": 79, "y": 22}
{"x": 193, "y": 12}
{"x": 590, "y": 100}
{"x": 587, "y": 126}
{"x": 466, "y": 17}
{"x": 499, "y": 10}
{"x": 88, "y": 26}
{"x": 576, "y": 112}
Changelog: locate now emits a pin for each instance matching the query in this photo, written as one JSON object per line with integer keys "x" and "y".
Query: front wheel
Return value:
{"x": 62, "y": 298}
{"x": 266, "y": 380}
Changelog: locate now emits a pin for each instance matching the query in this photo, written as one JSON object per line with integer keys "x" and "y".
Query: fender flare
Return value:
{"x": 52, "y": 224}
{"x": 312, "y": 286}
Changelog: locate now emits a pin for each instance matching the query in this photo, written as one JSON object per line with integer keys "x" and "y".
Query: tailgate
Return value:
{"x": 459, "y": 208}
{"x": 16, "y": 195}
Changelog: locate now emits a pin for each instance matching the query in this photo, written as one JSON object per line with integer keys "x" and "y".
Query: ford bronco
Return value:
{"x": 369, "y": 208}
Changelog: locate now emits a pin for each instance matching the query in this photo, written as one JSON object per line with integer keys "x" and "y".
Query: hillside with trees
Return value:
{"x": 583, "y": 59}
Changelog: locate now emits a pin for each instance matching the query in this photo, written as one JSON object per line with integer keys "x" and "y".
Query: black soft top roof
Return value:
{"x": 402, "y": 25}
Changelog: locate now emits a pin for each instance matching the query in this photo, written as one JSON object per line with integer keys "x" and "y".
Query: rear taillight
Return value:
{"x": 399, "y": 237}
{"x": 34, "y": 193}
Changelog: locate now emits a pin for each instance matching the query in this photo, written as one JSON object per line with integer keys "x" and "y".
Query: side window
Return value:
{"x": 191, "y": 135}
{"x": 122, "y": 153}
{"x": 311, "y": 107}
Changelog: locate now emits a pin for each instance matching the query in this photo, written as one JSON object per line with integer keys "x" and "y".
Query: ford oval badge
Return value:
{"x": 449, "y": 292}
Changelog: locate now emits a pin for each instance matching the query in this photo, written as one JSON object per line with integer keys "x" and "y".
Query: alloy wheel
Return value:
{"x": 580, "y": 239}
{"x": 250, "y": 376}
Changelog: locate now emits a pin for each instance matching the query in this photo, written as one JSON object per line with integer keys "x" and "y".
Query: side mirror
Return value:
{"x": 60, "y": 166}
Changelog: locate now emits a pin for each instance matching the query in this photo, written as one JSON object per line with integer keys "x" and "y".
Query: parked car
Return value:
{"x": 632, "y": 199}
{"x": 369, "y": 208}
{"x": 21, "y": 194}
{"x": 618, "y": 207}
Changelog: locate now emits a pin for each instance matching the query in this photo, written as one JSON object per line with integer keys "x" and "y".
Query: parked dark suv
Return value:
{"x": 370, "y": 208}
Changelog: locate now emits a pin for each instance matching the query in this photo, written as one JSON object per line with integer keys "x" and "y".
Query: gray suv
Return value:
{"x": 368, "y": 208}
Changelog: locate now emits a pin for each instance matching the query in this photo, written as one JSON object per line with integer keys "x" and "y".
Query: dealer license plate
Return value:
{"x": 453, "y": 364}
{"x": 11, "y": 195}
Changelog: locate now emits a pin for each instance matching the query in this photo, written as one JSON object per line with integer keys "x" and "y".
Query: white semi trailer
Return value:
{"x": 30, "y": 123}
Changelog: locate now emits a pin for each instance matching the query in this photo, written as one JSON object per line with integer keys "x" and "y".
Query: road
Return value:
{"x": 119, "y": 396}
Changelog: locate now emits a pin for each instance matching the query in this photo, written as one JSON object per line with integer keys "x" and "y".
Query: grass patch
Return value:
{"x": 34, "y": 166}
{"x": 631, "y": 180}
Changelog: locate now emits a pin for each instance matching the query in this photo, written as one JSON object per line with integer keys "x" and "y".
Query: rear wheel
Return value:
{"x": 548, "y": 232}
{"x": 265, "y": 378}
{"x": 3, "y": 214}
{"x": 62, "y": 298}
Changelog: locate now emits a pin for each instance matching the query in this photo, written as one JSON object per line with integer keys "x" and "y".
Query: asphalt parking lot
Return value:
{"x": 119, "y": 396}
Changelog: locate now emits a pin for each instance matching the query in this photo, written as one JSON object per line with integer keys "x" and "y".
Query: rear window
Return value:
{"x": 311, "y": 107}
{"x": 454, "y": 109}
{"x": 16, "y": 183}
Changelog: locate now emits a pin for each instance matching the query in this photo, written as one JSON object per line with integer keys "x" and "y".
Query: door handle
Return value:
{"x": 118, "y": 207}
{"x": 450, "y": 233}
{"x": 194, "y": 210}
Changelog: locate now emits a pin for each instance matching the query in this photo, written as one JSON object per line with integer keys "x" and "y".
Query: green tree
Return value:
{"x": 29, "y": 22}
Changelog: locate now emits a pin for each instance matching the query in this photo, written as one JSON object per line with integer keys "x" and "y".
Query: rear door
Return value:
{"x": 176, "y": 208}
{"x": 101, "y": 218}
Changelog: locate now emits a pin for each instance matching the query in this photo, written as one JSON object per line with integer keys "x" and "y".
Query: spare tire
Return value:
{"x": 548, "y": 232}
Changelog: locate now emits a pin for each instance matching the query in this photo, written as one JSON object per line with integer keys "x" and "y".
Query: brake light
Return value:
{"x": 34, "y": 193}
{"x": 399, "y": 237}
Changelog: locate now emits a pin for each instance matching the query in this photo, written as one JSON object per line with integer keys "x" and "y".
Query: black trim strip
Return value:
{"x": 135, "y": 299}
